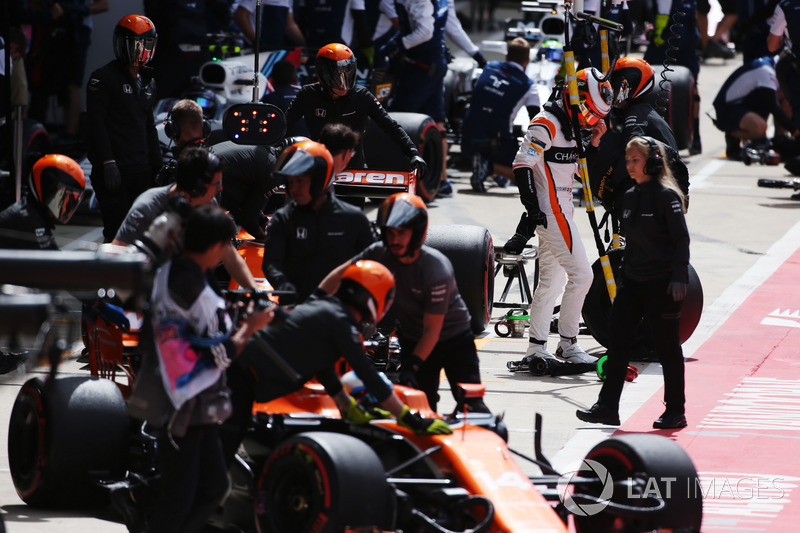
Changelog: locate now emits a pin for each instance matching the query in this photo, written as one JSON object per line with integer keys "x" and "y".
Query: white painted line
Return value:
{"x": 698, "y": 180}
{"x": 569, "y": 457}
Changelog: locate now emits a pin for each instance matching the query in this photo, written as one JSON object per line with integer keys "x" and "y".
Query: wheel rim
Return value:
{"x": 293, "y": 496}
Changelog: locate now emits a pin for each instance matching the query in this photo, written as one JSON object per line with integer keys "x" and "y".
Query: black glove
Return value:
{"x": 392, "y": 47}
{"x": 418, "y": 164}
{"x": 408, "y": 372}
{"x": 537, "y": 218}
{"x": 479, "y": 59}
{"x": 288, "y": 292}
{"x": 111, "y": 176}
{"x": 423, "y": 426}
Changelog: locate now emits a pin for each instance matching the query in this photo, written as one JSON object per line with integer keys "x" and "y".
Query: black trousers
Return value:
{"x": 114, "y": 206}
{"x": 459, "y": 359}
{"x": 634, "y": 301}
{"x": 194, "y": 479}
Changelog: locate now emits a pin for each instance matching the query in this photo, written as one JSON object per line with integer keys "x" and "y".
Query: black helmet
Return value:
{"x": 336, "y": 67}
{"x": 57, "y": 181}
{"x": 404, "y": 210}
{"x": 307, "y": 158}
{"x": 369, "y": 287}
{"x": 135, "y": 40}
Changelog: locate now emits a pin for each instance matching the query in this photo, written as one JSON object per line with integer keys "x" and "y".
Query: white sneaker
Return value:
{"x": 569, "y": 351}
{"x": 537, "y": 350}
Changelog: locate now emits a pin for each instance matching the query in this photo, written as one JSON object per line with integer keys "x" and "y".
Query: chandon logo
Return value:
{"x": 586, "y": 509}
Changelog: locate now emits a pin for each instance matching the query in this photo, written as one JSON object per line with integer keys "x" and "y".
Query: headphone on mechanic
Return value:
{"x": 173, "y": 130}
{"x": 201, "y": 184}
{"x": 654, "y": 165}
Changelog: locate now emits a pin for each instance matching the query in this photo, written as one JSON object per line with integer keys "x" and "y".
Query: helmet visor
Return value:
{"x": 338, "y": 75}
{"x": 401, "y": 215}
{"x": 587, "y": 115}
{"x": 140, "y": 50}
{"x": 297, "y": 164}
{"x": 63, "y": 203}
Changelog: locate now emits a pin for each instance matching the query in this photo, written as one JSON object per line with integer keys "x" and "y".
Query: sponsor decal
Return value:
{"x": 321, "y": 113}
{"x": 127, "y": 89}
{"x": 372, "y": 178}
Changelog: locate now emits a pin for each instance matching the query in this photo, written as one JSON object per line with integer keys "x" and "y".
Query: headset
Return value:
{"x": 654, "y": 165}
{"x": 200, "y": 184}
{"x": 173, "y": 130}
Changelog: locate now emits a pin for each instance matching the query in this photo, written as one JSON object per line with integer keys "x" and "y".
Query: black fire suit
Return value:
{"x": 319, "y": 108}
{"x": 121, "y": 127}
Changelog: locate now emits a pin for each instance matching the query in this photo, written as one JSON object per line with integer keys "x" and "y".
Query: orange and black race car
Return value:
{"x": 304, "y": 469}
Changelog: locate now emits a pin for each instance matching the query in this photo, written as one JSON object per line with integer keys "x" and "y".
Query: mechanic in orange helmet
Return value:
{"x": 337, "y": 98}
{"x": 122, "y": 141}
{"x": 435, "y": 331}
{"x": 55, "y": 192}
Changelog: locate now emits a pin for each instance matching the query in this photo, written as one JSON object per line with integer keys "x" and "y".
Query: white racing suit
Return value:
{"x": 553, "y": 159}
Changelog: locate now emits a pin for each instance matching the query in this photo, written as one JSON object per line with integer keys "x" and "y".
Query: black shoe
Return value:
{"x": 716, "y": 48}
{"x": 696, "y": 147}
{"x": 477, "y": 183}
{"x": 733, "y": 149}
{"x": 670, "y": 421}
{"x": 131, "y": 513}
{"x": 516, "y": 244}
{"x": 599, "y": 414}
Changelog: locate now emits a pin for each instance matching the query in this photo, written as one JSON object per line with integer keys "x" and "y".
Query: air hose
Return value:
{"x": 662, "y": 101}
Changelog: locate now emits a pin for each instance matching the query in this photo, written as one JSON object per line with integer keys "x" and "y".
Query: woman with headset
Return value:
{"x": 654, "y": 282}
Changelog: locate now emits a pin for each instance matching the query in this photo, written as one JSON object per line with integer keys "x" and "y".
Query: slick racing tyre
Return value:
{"x": 651, "y": 475}
{"x": 383, "y": 154}
{"x": 471, "y": 251}
{"x": 307, "y": 485}
{"x": 63, "y": 436}
{"x": 678, "y": 101}
{"x": 597, "y": 306}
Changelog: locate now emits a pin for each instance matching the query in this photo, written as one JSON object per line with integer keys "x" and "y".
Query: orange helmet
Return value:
{"x": 135, "y": 40}
{"x": 595, "y": 96}
{"x": 369, "y": 287}
{"x": 404, "y": 210}
{"x": 336, "y": 67}
{"x": 631, "y": 78}
{"x": 57, "y": 181}
{"x": 307, "y": 158}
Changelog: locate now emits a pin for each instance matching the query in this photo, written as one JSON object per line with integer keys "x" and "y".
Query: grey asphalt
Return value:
{"x": 733, "y": 225}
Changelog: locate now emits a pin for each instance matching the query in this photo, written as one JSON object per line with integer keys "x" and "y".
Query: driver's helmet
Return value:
{"x": 205, "y": 98}
{"x": 135, "y": 40}
{"x": 57, "y": 182}
{"x": 307, "y": 158}
{"x": 551, "y": 50}
{"x": 595, "y": 96}
{"x": 631, "y": 78}
{"x": 404, "y": 210}
{"x": 369, "y": 287}
{"x": 336, "y": 67}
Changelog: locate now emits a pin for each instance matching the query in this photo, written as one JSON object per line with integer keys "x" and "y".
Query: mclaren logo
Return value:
{"x": 371, "y": 178}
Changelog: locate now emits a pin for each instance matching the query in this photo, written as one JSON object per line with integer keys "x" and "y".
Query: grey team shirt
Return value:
{"x": 428, "y": 285}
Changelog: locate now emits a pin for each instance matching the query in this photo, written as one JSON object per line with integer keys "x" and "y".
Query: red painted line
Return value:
{"x": 743, "y": 409}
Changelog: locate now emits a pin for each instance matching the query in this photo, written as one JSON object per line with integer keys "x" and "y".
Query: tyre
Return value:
{"x": 383, "y": 154}
{"x": 647, "y": 470}
{"x": 471, "y": 250}
{"x": 310, "y": 482}
{"x": 678, "y": 101}
{"x": 63, "y": 435}
{"x": 597, "y": 306}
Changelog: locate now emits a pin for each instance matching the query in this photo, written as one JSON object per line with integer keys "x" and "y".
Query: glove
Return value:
{"x": 111, "y": 176}
{"x": 479, "y": 59}
{"x": 369, "y": 54}
{"x": 659, "y": 28}
{"x": 422, "y": 426}
{"x": 220, "y": 356}
{"x": 418, "y": 164}
{"x": 408, "y": 372}
{"x": 289, "y": 291}
{"x": 677, "y": 290}
{"x": 392, "y": 47}
{"x": 358, "y": 414}
{"x": 537, "y": 218}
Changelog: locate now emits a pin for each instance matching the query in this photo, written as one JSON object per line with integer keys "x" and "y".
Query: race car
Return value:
{"x": 305, "y": 469}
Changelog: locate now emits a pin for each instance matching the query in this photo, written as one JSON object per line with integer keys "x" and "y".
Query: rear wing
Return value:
{"x": 375, "y": 183}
